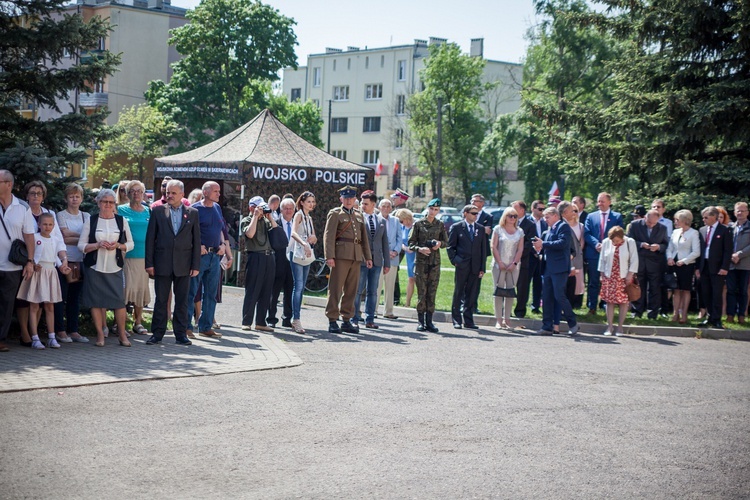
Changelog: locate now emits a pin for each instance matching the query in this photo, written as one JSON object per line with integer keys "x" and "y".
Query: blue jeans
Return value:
{"x": 556, "y": 301}
{"x": 299, "y": 273}
{"x": 368, "y": 279}
{"x": 208, "y": 276}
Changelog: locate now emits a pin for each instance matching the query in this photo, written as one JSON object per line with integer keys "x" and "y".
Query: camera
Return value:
{"x": 266, "y": 209}
{"x": 431, "y": 243}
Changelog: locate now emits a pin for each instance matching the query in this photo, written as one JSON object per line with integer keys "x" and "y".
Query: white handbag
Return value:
{"x": 300, "y": 257}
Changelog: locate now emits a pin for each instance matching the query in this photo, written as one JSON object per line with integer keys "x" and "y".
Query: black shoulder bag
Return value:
{"x": 18, "y": 254}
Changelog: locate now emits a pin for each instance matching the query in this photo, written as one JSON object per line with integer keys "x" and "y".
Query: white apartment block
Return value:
{"x": 366, "y": 90}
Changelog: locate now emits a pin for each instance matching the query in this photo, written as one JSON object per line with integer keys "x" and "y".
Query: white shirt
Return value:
{"x": 106, "y": 230}
{"x": 711, "y": 237}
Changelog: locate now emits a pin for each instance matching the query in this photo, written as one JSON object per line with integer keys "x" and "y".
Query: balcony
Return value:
{"x": 94, "y": 99}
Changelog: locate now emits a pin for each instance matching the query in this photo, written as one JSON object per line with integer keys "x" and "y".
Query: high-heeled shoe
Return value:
{"x": 24, "y": 344}
{"x": 99, "y": 344}
{"x": 125, "y": 344}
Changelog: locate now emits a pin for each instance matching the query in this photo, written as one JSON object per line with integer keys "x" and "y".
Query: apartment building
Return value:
{"x": 140, "y": 32}
{"x": 362, "y": 94}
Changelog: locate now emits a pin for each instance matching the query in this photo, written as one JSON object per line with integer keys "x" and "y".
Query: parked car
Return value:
{"x": 496, "y": 213}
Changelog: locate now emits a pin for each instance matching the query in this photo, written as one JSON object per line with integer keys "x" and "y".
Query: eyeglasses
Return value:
{"x": 35, "y": 193}
{"x": 473, "y": 213}
{"x": 512, "y": 216}
{"x": 107, "y": 202}
{"x": 575, "y": 211}
{"x": 135, "y": 191}
{"x": 122, "y": 190}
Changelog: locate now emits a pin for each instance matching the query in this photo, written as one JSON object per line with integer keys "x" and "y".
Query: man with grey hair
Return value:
{"x": 556, "y": 249}
{"x": 173, "y": 257}
{"x": 12, "y": 217}
{"x": 393, "y": 233}
{"x": 739, "y": 269}
{"x": 283, "y": 278}
{"x": 651, "y": 240}
{"x": 713, "y": 266}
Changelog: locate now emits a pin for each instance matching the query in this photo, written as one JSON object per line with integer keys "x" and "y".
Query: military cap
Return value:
{"x": 368, "y": 192}
{"x": 348, "y": 192}
{"x": 400, "y": 193}
{"x": 435, "y": 202}
{"x": 639, "y": 210}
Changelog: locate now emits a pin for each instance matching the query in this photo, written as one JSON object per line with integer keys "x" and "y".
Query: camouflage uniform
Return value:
{"x": 427, "y": 267}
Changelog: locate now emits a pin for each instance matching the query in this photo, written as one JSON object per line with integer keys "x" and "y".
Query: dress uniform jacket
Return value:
{"x": 344, "y": 236}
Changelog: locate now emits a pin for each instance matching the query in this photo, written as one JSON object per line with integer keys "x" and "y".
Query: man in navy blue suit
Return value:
{"x": 467, "y": 250}
{"x": 556, "y": 248}
{"x": 596, "y": 228}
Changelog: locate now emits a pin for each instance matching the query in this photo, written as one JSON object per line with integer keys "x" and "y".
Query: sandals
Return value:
{"x": 140, "y": 329}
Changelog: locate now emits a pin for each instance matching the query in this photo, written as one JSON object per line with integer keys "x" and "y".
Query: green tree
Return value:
{"x": 302, "y": 118}
{"x": 566, "y": 66}
{"x": 499, "y": 146}
{"x": 141, "y": 132}
{"x": 230, "y": 49}
{"x": 455, "y": 80}
{"x": 35, "y": 35}
{"x": 678, "y": 122}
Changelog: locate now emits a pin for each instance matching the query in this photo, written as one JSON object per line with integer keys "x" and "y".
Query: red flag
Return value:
{"x": 379, "y": 168}
{"x": 395, "y": 167}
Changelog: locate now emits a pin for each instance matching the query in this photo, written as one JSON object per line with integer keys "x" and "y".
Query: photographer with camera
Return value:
{"x": 261, "y": 264}
{"x": 426, "y": 237}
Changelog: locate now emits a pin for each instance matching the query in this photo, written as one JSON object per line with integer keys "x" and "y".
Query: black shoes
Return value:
{"x": 287, "y": 323}
{"x": 333, "y": 327}
{"x": 428, "y": 323}
{"x": 471, "y": 326}
{"x": 184, "y": 341}
{"x": 347, "y": 327}
{"x": 153, "y": 340}
{"x": 420, "y": 319}
{"x": 457, "y": 325}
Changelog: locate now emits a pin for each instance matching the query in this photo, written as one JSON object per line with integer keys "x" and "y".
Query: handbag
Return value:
{"x": 505, "y": 292}
{"x": 300, "y": 257}
{"x": 18, "y": 254}
{"x": 74, "y": 276}
{"x": 670, "y": 280}
{"x": 633, "y": 290}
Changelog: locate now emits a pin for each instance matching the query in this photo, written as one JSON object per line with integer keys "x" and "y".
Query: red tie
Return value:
{"x": 604, "y": 224}
{"x": 708, "y": 235}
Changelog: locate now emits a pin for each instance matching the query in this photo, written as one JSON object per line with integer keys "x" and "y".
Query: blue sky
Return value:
{"x": 380, "y": 23}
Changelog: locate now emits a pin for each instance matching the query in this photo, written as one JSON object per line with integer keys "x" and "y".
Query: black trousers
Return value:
{"x": 259, "y": 275}
{"x": 650, "y": 277}
{"x": 465, "y": 291}
{"x": 283, "y": 281}
{"x": 9, "y": 283}
{"x": 528, "y": 275}
{"x": 181, "y": 287}
{"x": 712, "y": 286}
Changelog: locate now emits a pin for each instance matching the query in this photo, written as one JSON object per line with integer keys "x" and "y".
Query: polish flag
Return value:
{"x": 395, "y": 167}
{"x": 555, "y": 191}
{"x": 379, "y": 168}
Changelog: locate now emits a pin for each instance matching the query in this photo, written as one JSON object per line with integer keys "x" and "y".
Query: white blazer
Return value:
{"x": 628, "y": 257}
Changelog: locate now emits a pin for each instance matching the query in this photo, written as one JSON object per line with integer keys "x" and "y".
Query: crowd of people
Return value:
{"x": 553, "y": 255}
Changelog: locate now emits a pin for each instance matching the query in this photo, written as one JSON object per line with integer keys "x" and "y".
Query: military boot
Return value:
{"x": 420, "y": 326}
{"x": 429, "y": 325}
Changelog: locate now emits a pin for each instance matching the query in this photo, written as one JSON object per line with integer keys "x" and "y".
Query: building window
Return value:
{"x": 371, "y": 157}
{"x": 85, "y": 169}
{"x": 334, "y": 65}
{"x": 382, "y": 61}
{"x": 374, "y": 91}
{"x": 400, "y": 104}
{"x": 316, "y": 77}
{"x": 341, "y": 93}
{"x": 371, "y": 124}
{"x": 367, "y": 62}
{"x": 339, "y": 153}
{"x": 102, "y": 44}
{"x": 99, "y": 87}
{"x": 399, "y": 138}
{"x": 296, "y": 94}
{"x": 420, "y": 190}
{"x": 340, "y": 125}
{"x": 316, "y": 102}
{"x": 349, "y": 63}
{"x": 402, "y": 70}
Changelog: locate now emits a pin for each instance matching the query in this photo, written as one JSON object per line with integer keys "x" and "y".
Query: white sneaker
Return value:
{"x": 52, "y": 343}
{"x": 608, "y": 333}
{"x": 36, "y": 344}
{"x": 618, "y": 334}
{"x": 65, "y": 340}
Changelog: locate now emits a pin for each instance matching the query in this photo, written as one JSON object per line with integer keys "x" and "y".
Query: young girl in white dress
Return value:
{"x": 43, "y": 288}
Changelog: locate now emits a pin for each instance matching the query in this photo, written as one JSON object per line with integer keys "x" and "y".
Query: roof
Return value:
{"x": 264, "y": 140}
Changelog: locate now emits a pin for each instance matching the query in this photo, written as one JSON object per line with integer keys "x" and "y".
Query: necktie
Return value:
{"x": 708, "y": 235}
{"x": 604, "y": 225}
{"x": 471, "y": 232}
{"x": 289, "y": 230}
{"x": 372, "y": 225}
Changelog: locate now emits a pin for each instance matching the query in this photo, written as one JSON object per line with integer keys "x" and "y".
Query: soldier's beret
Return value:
{"x": 348, "y": 192}
{"x": 435, "y": 202}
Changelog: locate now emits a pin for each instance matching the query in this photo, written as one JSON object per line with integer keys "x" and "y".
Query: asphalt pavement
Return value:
{"x": 392, "y": 413}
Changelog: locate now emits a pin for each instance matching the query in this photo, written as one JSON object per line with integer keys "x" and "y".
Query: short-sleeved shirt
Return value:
{"x": 212, "y": 224}
{"x": 73, "y": 223}
{"x": 138, "y": 222}
{"x": 260, "y": 241}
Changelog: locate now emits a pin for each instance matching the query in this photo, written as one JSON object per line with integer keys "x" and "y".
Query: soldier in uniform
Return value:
{"x": 426, "y": 237}
{"x": 345, "y": 247}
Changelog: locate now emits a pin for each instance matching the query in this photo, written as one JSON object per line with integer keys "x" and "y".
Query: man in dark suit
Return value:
{"x": 375, "y": 228}
{"x": 595, "y": 230}
{"x": 173, "y": 257}
{"x": 529, "y": 259}
{"x": 580, "y": 202}
{"x": 283, "y": 279}
{"x": 485, "y": 220}
{"x": 713, "y": 266}
{"x": 535, "y": 272}
{"x": 556, "y": 247}
{"x": 651, "y": 239}
{"x": 467, "y": 250}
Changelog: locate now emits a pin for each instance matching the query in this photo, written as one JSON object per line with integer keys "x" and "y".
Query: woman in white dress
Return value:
{"x": 507, "y": 247}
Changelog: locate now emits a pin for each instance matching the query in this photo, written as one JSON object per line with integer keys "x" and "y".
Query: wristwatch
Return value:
{"x": 29, "y": 261}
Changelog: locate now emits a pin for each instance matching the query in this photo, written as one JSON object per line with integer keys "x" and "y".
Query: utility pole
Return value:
{"x": 439, "y": 155}
{"x": 330, "y": 102}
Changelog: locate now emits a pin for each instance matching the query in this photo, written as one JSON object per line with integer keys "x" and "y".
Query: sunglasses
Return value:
{"x": 474, "y": 213}
{"x": 512, "y": 216}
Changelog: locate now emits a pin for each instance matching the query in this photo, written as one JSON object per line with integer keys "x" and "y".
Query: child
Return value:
{"x": 44, "y": 286}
